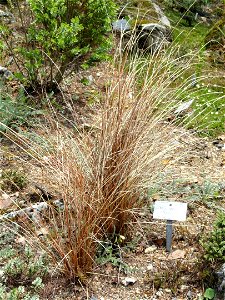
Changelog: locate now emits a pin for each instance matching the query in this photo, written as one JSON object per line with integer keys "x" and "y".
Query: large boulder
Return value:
{"x": 143, "y": 26}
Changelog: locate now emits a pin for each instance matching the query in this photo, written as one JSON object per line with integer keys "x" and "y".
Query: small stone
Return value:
{"x": 220, "y": 146}
{"x": 184, "y": 106}
{"x": 168, "y": 291}
{"x": 177, "y": 254}
{"x": 184, "y": 287}
{"x": 150, "y": 249}
{"x": 189, "y": 294}
{"x": 121, "y": 25}
{"x": 4, "y": 72}
{"x": 221, "y": 137}
{"x": 128, "y": 281}
{"x": 137, "y": 291}
{"x": 159, "y": 293}
{"x": 90, "y": 78}
{"x": 150, "y": 267}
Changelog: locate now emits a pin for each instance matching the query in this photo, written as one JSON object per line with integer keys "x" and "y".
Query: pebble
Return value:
{"x": 128, "y": 281}
{"x": 159, "y": 293}
{"x": 189, "y": 294}
{"x": 150, "y": 267}
{"x": 150, "y": 249}
{"x": 184, "y": 287}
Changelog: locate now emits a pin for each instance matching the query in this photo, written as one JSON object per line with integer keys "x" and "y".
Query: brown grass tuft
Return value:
{"x": 102, "y": 174}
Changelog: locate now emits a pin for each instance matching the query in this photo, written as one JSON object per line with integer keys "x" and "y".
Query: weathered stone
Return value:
{"x": 148, "y": 29}
{"x": 150, "y": 249}
{"x": 8, "y": 16}
{"x": 221, "y": 280}
{"x": 128, "y": 281}
{"x": 121, "y": 25}
{"x": 5, "y": 73}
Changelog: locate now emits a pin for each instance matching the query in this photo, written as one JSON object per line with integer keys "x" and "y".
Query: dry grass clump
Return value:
{"x": 103, "y": 174}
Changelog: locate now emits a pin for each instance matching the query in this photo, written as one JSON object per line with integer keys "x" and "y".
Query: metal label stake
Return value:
{"x": 169, "y": 234}
{"x": 170, "y": 211}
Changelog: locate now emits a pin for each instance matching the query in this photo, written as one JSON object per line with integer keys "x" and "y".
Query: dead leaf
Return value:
{"x": 177, "y": 254}
{"x": 166, "y": 161}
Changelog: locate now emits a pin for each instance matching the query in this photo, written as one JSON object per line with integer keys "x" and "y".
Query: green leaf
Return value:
{"x": 19, "y": 76}
{"x": 209, "y": 293}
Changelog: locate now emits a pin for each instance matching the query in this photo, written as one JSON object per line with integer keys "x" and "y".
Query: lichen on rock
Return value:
{"x": 143, "y": 22}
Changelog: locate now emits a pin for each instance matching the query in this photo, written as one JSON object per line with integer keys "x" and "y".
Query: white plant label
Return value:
{"x": 166, "y": 210}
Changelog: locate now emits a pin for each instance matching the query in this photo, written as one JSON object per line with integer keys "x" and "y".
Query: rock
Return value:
{"x": 5, "y": 201}
{"x": 189, "y": 294}
{"x": 148, "y": 29}
{"x": 5, "y": 73}
{"x": 8, "y": 16}
{"x": 150, "y": 249}
{"x": 152, "y": 37}
{"x": 219, "y": 144}
{"x": 159, "y": 293}
{"x": 177, "y": 254}
{"x": 121, "y": 25}
{"x": 128, "y": 281}
{"x": 221, "y": 137}
{"x": 184, "y": 107}
{"x": 184, "y": 287}
{"x": 221, "y": 280}
{"x": 194, "y": 81}
{"x": 163, "y": 18}
{"x": 150, "y": 267}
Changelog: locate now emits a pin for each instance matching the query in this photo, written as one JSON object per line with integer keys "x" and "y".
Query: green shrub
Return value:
{"x": 58, "y": 34}
{"x": 215, "y": 245}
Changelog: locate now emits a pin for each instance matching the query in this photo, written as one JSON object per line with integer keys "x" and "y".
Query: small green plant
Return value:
{"x": 14, "y": 111}
{"x": 22, "y": 270}
{"x": 12, "y": 180}
{"x": 109, "y": 252}
{"x": 18, "y": 293}
{"x": 209, "y": 294}
{"x": 205, "y": 192}
{"x": 208, "y": 191}
{"x": 215, "y": 245}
